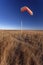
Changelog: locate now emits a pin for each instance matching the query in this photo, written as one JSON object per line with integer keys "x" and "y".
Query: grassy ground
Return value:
{"x": 21, "y": 47}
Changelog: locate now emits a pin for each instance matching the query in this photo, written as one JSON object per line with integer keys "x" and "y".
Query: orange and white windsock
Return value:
{"x": 25, "y": 8}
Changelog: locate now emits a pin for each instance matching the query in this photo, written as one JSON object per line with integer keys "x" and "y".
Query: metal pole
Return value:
{"x": 21, "y": 26}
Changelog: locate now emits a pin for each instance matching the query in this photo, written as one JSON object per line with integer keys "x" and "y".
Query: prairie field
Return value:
{"x": 21, "y": 47}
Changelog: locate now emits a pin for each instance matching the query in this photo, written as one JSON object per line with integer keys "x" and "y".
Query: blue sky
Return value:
{"x": 11, "y": 16}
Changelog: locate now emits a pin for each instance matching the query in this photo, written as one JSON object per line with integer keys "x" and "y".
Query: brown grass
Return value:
{"x": 18, "y": 48}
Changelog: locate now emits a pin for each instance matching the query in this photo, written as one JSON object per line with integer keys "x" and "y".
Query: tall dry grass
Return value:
{"x": 21, "y": 49}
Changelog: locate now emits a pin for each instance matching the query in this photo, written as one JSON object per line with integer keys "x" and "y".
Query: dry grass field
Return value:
{"x": 18, "y": 48}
